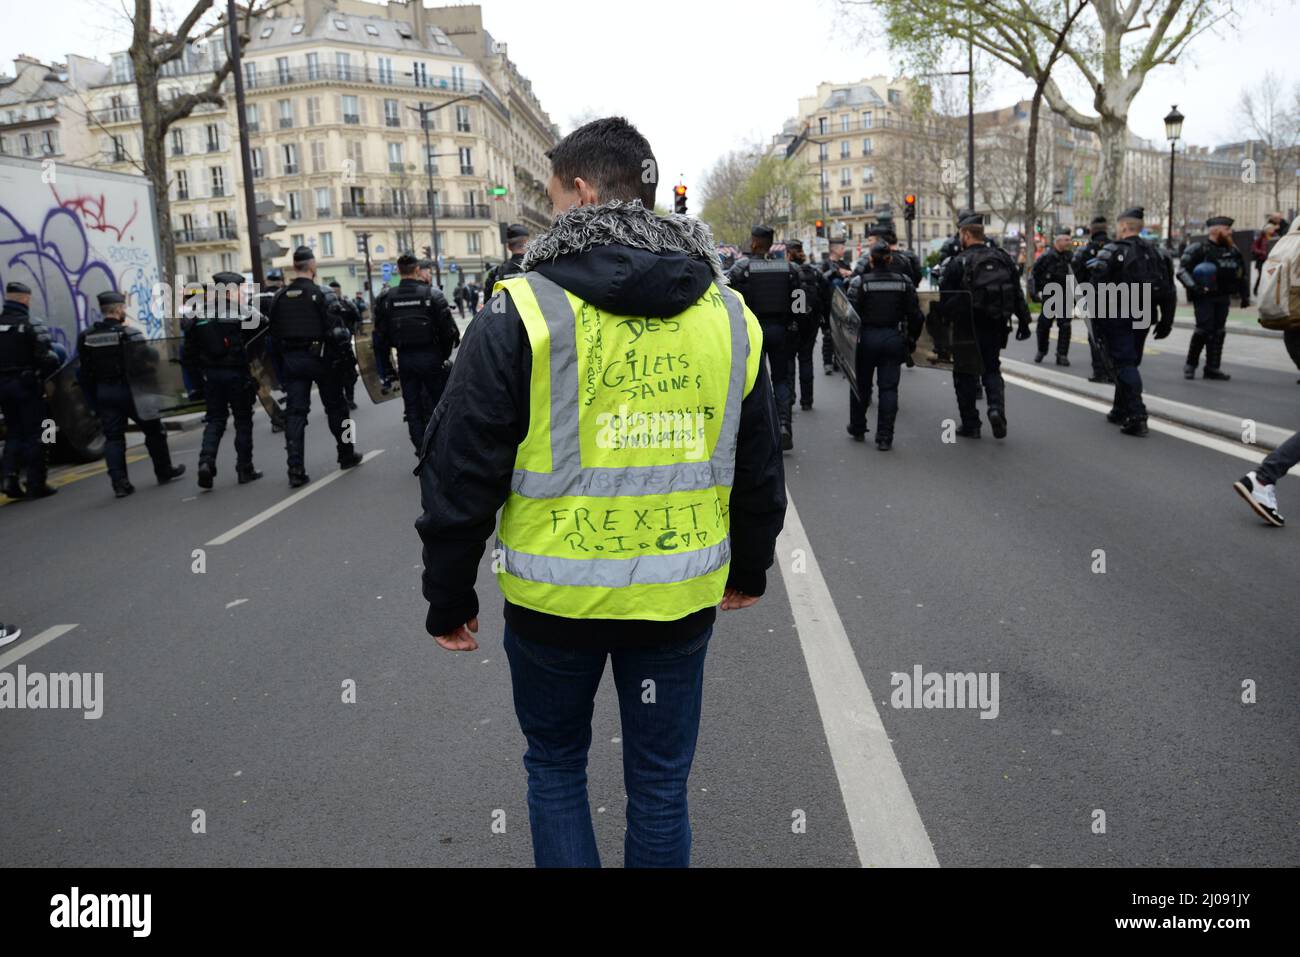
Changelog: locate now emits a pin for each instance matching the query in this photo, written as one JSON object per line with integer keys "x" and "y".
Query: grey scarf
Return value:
{"x": 628, "y": 224}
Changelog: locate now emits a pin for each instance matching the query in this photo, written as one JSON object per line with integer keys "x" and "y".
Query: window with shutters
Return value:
{"x": 385, "y": 69}
{"x": 458, "y": 78}
{"x": 356, "y": 154}
{"x": 178, "y": 142}
{"x": 282, "y": 71}
{"x": 250, "y": 75}
{"x": 844, "y": 149}
{"x": 255, "y": 160}
{"x": 313, "y": 66}
{"x": 462, "y": 119}
{"x": 420, "y": 74}
{"x": 251, "y": 117}
{"x": 182, "y": 184}
{"x": 218, "y": 177}
{"x": 318, "y": 156}
{"x": 343, "y": 66}
{"x": 866, "y": 120}
{"x": 313, "y": 111}
{"x": 845, "y": 122}
{"x": 351, "y": 110}
{"x": 322, "y": 194}
{"x": 823, "y": 125}
{"x": 214, "y": 138}
{"x": 474, "y": 242}
{"x": 395, "y": 164}
{"x": 866, "y": 146}
{"x": 392, "y": 113}
{"x": 327, "y": 244}
{"x": 293, "y": 204}
{"x": 466, "y": 161}
{"x": 225, "y": 226}
{"x": 846, "y": 203}
{"x": 869, "y": 201}
{"x": 289, "y": 158}
{"x": 286, "y": 114}
{"x": 846, "y": 177}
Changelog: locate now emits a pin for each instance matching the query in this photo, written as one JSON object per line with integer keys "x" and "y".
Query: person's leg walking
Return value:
{"x": 660, "y": 695}
{"x": 554, "y": 695}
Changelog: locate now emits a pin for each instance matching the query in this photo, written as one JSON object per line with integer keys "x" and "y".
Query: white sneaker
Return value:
{"x": 9, "y": 634}
{"x": 1262, "y": 498}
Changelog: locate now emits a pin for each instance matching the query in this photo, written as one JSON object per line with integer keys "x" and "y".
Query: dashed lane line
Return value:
{"x": 25, "y": 648}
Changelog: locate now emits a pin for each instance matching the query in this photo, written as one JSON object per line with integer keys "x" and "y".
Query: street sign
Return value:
{"x": 454, "y": 268}
{"x": 379, "y": 250}
{"x": 387, "y": 271}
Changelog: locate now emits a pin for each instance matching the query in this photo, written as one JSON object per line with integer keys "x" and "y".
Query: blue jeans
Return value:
{"x": 554, "y": 693}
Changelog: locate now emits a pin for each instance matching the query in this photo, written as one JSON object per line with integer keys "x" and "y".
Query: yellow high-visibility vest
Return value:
{"x": 618, "y": 507}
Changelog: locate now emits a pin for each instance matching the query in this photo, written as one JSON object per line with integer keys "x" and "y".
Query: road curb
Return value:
{"x": 1237, "y": 330}
{"x": 1267, "y": 437}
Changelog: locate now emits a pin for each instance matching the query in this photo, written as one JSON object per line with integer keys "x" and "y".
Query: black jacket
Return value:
{"x": 469, "y": 451}
{"x": 26, "y": 336}
{"x": 1051, "y": 267}
{"x": 446, "y": 332}
{"x": 882, "y": 296}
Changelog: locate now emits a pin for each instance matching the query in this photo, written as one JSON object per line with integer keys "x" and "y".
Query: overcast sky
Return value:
{"x": 704, "y": 77}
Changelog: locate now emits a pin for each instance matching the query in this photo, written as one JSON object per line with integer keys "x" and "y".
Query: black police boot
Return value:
{"x": 1062, "y": 360}
{"x": 969, "y": 431}
{"x": 1193, "y": 355}
{"x": 1115, "y": 417}
{"x": 12, "y": 487}
{"x": 40, "y": 491}
{"x": 1040, "y": 356}
{"x": 348, "y": 457}
{"x": 858, "y": 436}
{"x": 1098, "y": 377}
{"x": 1216, "y": 374}
{"x": 176, "y": 471}
{"x": 998, "y": 420}
{"x": 207, "y": 472}
{"x": 787, "y": 438}
{"x": 884, "y": 442}
{"x": 298, "y": 477}
{"x": 247, "y": 473}
{"x": 123, "y": 488}
{"x": 1135, "y": 425}
{"x": 1213, "y": 359}
{"x": 1189, "y": 371}
{"x": 806, "y": 404}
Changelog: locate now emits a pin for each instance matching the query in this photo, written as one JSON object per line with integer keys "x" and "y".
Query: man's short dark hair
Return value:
{"x": 610, "y": 155}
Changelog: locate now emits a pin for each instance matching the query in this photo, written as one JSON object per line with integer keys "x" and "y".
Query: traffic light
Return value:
{"x": 428, "y": 252}
{"x": 909, "y": 206}
{"x": 679, "y": 199}
{"x": 821, "y": 229}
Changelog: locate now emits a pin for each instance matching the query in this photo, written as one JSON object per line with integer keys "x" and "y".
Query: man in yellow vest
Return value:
{"x": 610, "y": 401}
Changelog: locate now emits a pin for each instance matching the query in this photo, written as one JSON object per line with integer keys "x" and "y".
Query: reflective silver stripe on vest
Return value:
{"x": 567, "y": 476}
{"x": 657, "y": 569}
{"x": 888, "y": 285}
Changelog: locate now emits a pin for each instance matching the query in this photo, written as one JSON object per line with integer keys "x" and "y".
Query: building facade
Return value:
{"x": 42, "y": 110}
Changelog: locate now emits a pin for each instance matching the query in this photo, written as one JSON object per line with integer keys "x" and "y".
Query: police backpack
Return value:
{"x": 989, "y": 276}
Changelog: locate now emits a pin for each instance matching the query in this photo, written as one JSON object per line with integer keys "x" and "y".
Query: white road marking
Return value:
{"x": 886, "y": 825}
{"x": 237, "y": 601}
{"x": 1248, "y": 453}
{"x": 293, "y": 499}
{"x": 31, "y": 644}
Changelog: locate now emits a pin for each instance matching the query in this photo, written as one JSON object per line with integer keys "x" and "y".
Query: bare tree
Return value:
{"x": 1267, "y": 117}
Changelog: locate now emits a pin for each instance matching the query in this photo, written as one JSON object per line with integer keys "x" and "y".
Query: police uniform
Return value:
{"x": 310, "y": 339}
{"x": 512, "y": 266}
{"x": 1136, "y": 264}
{"x": 111, "y": 355}
{"x": 1084, "y": 255}
{"x": 216, "y": 356}
{"x": 980, "y": 292}
{"x": 27, "y": 358}
{"x": 891, "y": 319}
{"x": 1051, "y": 275}
{"x": 768, "y": 287}
{"x": 1211, "y": 301}
{"x": 809, "y": 319}
{"x": 415, "y": 320}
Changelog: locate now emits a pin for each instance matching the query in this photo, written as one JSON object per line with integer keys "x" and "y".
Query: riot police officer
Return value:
{"x": 112, "y": 356}
{"x": 216, "y": 356}
{"x": 348, "y": 312}
{"x": 891, "y": 319}
{"x": 836, "y": 271}
{"x": 27, "y": 359}
{"x": 809, "y": 319}
{"x": 1085, "y": 254}
{"x": 1134, "y": 265}
{"x": 415, "y": 320}
{"x": 901, "y": 261}
{"x": 310, "y": 339}
{"x": 1211, "y": 299}
{"x": 769, "y": 287}
{"x": 516, "y": 243}
{"x": 1051, "y": 275}
{"x": 980, "y": 292}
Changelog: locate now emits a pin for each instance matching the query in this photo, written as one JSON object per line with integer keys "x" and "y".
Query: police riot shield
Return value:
{"x": 959, "y": 318}
{"x": 78, "y": 433}
{"x": 156, "y": 378}
{"x": 844, "y": 335}
{"x": 377, "y": 374}
{"x": 261, "y": 365}
{"x": 934, "y": 344}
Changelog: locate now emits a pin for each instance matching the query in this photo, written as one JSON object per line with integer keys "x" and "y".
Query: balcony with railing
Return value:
{"x": 204, "y": 234}
{"x": 369, "y": 76}
{"x": 130, "y": 112}
{"x": 414, "y": 211}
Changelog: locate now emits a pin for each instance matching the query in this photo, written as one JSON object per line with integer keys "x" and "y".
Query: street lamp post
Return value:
{"x": 424, "y": 111}
{"x": 1173, "y": 130}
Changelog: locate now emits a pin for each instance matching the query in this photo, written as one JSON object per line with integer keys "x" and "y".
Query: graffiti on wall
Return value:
{"x": 54, "y": 254}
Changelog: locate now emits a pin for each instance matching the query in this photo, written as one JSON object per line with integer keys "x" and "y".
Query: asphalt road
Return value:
{"x": 1119, "y": 692}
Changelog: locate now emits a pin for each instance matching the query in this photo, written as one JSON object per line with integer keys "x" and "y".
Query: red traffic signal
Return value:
{"x": 909, "y": 206}
{"x": 821, "y": 228}
{"x": 679, "y": 198}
